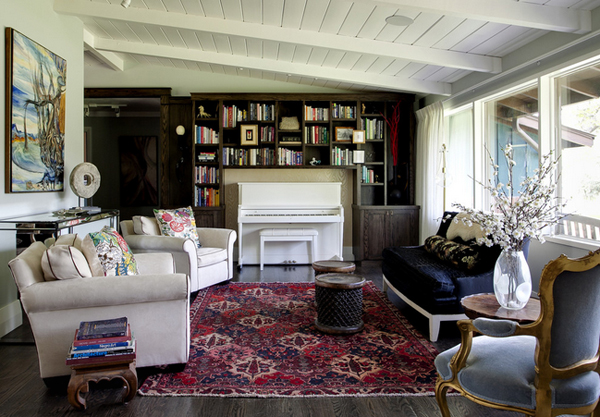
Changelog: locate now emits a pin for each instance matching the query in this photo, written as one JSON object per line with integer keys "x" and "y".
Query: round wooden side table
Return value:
{"x": 327, "y": 267}
{"x": 486, "y": 305}
{"x": 339, "y": 299}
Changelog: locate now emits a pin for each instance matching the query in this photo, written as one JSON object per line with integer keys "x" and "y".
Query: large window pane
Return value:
{"x": 580, "y": 154}
{"x": 514, "y": 119}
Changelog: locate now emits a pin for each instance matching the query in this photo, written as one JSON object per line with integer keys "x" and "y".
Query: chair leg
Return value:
{"x": 441, "y": 389}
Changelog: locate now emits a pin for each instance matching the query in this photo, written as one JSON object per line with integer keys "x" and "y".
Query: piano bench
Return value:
{"x": 287, "y": 235}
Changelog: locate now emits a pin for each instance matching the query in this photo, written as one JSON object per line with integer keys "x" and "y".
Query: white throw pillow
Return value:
{"x": 143, "y": 225}
{"x": 459, "y": 229}
{"x": 64, "y": 262}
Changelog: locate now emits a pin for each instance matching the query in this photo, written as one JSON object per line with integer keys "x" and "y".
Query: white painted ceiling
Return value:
{"x": 317, "y": 42}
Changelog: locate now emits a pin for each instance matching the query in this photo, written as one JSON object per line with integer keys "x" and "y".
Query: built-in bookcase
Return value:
{"x": 262, "y": 131}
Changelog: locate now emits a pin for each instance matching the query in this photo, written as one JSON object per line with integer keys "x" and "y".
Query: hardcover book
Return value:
{"x": 88, "y": 342}
{"x": 102, "y": 328}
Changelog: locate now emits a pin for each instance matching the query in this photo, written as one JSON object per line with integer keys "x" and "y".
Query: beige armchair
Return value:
{"x": 156, "y": 302}
{"x": 206, "y": 266}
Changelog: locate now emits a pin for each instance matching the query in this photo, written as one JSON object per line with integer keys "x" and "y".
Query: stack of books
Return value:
{"x": 102, "y": 341}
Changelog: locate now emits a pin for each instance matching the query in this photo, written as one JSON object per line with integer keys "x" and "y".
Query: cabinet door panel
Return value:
{"x": 401, "y": 228}
{"x": 375, "y": 233}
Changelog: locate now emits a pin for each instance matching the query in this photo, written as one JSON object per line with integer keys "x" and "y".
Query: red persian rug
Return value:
{"x": 259, "y": 340}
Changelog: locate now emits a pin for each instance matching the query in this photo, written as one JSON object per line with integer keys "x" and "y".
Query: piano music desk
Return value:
{"x": 287, "y": 235}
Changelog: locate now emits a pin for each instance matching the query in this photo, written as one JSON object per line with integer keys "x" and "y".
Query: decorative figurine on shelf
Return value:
{"x": 202, "y": 113}
{"x": 314, "y": 161}
{"x": 364, "y": 108}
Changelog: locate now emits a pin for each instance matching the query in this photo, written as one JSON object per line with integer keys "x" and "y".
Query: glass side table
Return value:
{"x": 50, "y": 224}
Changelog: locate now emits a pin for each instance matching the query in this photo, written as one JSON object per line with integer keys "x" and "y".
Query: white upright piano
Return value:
{"x": 314, "y": 205}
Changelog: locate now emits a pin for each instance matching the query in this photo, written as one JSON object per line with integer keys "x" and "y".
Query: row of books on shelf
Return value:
{"x": 286, "y": 157}
{"x": 207, "y": 156}
{"x": 316, "y": 113}
{"x": 368, "y": 176}
{"x": 248, "y": 157}
{"x": 267, "y": 134}
{"x": 206, "y": 175}
{"x": 206, "y": 135}
{"x": 340, "y": 111}
{"x": 102, "y": 341}
{"x": 232, "y": 115}
{"x": 262, "y": 111}
{"x": 316, "y": 135}
{"x": 374, "y": 128}
{"x": 341, "y": 156}
{"x": 207, "y": 197}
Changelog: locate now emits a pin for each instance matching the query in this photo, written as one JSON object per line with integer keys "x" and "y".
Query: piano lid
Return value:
{"x": 289, "y": 194}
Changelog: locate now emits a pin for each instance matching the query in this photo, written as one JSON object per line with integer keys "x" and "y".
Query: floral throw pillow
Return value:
{"x": 178, "y": 223}
{"x": 112, "y": 251}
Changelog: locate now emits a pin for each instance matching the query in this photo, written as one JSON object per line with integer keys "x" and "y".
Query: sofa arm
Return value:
{"x": 91, "y": 292}
{"x": 216, "y": 238}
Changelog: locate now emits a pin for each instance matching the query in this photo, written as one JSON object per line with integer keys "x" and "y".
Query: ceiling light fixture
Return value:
{"x": 126, "y": 3}
{"x": 398, "y": 20}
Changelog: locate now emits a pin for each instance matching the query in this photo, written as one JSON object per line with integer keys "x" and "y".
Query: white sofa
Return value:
{"x": 206, "y": 266}
{"x": 156, "y": 302}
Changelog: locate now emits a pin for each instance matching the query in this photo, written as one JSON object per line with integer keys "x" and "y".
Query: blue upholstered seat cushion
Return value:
{"x": 502, "y": 370}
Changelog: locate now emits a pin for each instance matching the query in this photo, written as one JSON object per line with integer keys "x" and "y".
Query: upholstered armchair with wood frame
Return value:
{"x": 546, "y": 368}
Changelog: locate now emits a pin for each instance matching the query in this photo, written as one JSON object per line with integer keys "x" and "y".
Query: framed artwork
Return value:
{"x": 138, "y": 157}
{"x": 358, "y": 136}
{"x": 343, "y": 134}
{"x": 249, "y": 135}
{"x": 36, "y": 83}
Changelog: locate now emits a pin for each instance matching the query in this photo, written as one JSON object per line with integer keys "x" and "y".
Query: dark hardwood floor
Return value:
{"x": 23, "y": 393}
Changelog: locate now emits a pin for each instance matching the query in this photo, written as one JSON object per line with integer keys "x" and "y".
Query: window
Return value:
{"x": 514, "y": 119}
{"x": 579, "y": 95}
{"x": 458, "y": 173}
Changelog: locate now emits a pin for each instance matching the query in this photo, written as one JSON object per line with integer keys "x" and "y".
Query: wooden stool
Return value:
{"x": 81, "y": 375}
{"x": 287, "y": 235}
{"x": 340, "y": 267}
{"x": 339, "y": 299}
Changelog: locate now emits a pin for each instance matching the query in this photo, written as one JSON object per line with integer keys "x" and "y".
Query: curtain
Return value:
{"x": 428, "y": 194}
{"x": 459, "y": 160}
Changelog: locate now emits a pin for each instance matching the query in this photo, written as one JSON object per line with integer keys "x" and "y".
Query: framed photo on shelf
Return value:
{"x": 249, "y": 135}
{"x": 343, "y": 134}
{"x": 358, "y": 136}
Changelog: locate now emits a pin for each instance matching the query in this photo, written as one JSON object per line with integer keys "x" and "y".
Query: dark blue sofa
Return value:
{"x": 435, "y": 287}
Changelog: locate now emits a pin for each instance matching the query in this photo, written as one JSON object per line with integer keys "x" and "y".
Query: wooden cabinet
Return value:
{"x": 377, "y": 227}
{"x": 210, "y": 216}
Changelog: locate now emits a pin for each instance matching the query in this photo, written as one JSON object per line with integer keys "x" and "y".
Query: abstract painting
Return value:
{"x": 36, "y": 82}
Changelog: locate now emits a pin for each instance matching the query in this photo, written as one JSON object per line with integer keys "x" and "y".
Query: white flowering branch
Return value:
{"x": 514, "y": 219}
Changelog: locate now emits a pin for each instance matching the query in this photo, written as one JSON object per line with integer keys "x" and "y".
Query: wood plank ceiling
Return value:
{"x": 334, "y": 43}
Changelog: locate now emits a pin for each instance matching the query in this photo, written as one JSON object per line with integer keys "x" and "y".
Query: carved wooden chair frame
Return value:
{"x": 541, "y": 330}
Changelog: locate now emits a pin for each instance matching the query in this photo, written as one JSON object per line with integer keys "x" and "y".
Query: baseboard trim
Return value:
{"x": 11, "y": 317}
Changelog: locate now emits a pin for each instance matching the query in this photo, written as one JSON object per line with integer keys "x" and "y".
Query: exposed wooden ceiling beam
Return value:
{"x": 302, "y": 70}
{"x": 519, "y": 13}
{"x": 417, "y": 54}
{"x": 108, "y": 58}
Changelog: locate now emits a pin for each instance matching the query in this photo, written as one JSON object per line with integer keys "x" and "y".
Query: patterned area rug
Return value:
{"x": 259, "y": 340}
